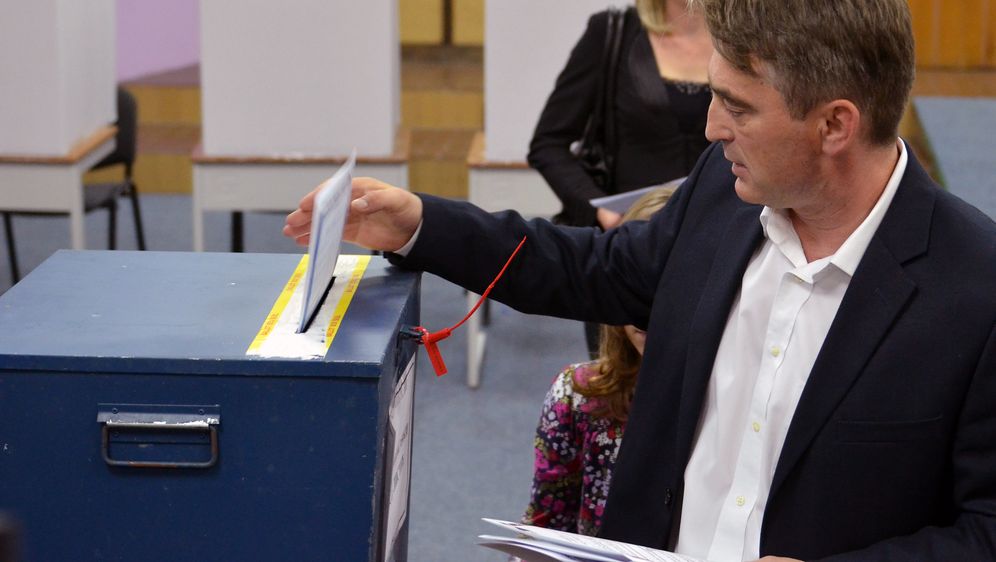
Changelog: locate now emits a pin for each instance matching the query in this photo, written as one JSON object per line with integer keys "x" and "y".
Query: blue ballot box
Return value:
{"x": 135, "y": 426}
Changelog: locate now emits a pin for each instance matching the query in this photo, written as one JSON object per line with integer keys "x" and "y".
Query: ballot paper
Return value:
{"x": 620, "y": 203}
{"x": 538, "y": 544}
{"x": 328, "y": 220}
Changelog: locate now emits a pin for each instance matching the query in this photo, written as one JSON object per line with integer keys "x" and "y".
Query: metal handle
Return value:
{"x": 159, "y": 418}
{"x": 105, "y": 446}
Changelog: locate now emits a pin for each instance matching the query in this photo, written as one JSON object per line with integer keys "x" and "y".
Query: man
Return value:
{"x": 820, "y": 370}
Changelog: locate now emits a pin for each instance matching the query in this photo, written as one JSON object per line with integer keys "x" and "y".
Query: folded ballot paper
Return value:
{"x": 328, "y": 219}
{"x": 308, "y": 312}
{"x": 536, "y": 544}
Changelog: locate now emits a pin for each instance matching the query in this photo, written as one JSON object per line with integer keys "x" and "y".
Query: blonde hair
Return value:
{"x": 618, "y": 361}
{"x": 653, "y": 15}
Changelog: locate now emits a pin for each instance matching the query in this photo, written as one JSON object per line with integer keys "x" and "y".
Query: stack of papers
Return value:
{"x": 536, "y": 544}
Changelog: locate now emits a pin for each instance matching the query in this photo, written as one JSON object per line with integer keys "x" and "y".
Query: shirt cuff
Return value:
{"x": 403, "y": 251}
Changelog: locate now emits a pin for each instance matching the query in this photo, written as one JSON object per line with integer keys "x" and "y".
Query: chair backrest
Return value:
{"x": 127, "y": 136}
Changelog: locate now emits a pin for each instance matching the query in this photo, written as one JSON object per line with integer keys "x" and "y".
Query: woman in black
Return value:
{"x": 660, "y": 106}
{"x": 659, "y": 109}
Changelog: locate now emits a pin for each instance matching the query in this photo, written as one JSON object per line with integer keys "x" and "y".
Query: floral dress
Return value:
{"x": 575, "y": 453}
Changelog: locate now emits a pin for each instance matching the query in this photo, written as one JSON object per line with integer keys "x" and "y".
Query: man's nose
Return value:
{"x": 716, "y": 127}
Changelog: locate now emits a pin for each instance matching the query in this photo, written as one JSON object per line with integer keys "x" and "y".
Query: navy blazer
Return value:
{"x": 891, "y": 453}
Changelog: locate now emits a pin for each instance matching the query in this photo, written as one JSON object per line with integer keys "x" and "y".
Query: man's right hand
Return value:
{"x": 381, "y": 217}
{"x": 607, "y": 219}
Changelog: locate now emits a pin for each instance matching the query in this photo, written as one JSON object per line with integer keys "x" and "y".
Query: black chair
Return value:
{"x": 102, "y": 195}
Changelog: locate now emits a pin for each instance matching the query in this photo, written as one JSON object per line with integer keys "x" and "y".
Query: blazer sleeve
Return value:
{"x": 570, "y": 272}
{"x": 563, "y": 120}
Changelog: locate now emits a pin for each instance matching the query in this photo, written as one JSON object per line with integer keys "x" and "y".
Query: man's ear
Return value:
{"x": 839, "y": 124}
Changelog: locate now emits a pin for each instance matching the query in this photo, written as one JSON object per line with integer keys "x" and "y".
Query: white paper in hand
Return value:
{"x": 620, "y": 203}
{"x": 582, "y": 548}
{"x": 328, "y": 219}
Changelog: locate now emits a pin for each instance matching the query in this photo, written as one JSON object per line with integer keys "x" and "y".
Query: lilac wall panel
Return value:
{"x": 156, "y": 35}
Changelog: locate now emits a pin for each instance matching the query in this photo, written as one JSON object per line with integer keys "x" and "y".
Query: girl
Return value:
{"x": 581, "y": 427}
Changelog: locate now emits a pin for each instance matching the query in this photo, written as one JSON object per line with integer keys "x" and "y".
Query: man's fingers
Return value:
{"x": 380, "y": 216}
{"x": 308, "y": 201}
{"x": 300, "y": 235}
{"x": 297, "y": 218}
{"x": 291, "y": 230}
{"x": 362, "y": 186}
{"x": 371, "y": 196}
{"x": 371, "y": 202}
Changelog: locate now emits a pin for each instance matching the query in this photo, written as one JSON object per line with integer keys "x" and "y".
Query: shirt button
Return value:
{"x": 741, "y": 501}
{"x": 775, "y": 351}
{"x": 756, "y": 426}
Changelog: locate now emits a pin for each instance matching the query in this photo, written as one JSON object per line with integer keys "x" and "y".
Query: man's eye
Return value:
{"x": 734, "y": 111}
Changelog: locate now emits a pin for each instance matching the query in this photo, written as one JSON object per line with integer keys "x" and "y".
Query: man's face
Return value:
{"x": 774, "y": 156}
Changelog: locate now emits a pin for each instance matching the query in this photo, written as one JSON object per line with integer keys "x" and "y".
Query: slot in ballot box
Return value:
{"x": 135, "y": 426}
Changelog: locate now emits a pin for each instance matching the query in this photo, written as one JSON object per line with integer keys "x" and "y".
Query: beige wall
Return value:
{"x": 468, "y": 22}
{"x": 422, "y": 22}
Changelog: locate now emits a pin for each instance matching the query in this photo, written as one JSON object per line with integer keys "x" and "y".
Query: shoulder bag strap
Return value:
{"x": 617, "y": 21}
{"x": 593, "y": 129}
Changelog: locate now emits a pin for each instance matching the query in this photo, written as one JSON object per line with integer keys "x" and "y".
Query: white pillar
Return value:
{"x": 299, "y": 77}
{"x": 522, "y": 58}
{"x": 58, "y": 73}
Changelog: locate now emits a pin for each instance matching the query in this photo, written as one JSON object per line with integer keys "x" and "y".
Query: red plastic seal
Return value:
{"x": 431, "y": 339}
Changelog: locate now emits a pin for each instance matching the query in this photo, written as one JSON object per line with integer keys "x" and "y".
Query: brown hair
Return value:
{"x": 859, "y": 50}
{"x": 653, "y": 15}
{"x": 618, "y": 361}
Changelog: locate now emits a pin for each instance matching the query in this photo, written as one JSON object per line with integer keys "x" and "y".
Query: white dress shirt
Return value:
{"x": 774, "y": 332}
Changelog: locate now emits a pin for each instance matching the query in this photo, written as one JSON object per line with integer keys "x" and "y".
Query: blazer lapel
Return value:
{"x": 723, "y": 285}
{"x": 874, "y": 299}
{"x": 870, "y": 306}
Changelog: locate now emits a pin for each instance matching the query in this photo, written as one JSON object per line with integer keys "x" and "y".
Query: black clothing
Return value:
{"x": 660, "y": 127}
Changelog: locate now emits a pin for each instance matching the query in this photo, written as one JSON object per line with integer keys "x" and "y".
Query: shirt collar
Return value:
{"x": 778, "y": 228}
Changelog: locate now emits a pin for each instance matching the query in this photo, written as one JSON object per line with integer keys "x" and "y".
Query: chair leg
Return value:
{"x": 237, "y": 244}
{"x": 8, "y": 226}
{"x": 139, "y": 231}
{"x": 112, "y": 225}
